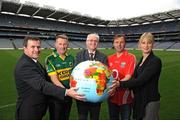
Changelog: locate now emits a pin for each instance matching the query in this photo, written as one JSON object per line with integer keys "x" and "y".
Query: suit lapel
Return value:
{"x": 86, "y": 55}
{"x": 147, "y": 60}
{"x": 96, "y": 55}
{"x": 39, "y": 67}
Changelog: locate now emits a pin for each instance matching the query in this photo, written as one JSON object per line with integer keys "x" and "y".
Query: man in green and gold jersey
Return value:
{"x": 59, "y": 66}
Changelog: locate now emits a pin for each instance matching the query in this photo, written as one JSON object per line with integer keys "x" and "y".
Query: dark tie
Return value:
{"x": 91, "y": 55}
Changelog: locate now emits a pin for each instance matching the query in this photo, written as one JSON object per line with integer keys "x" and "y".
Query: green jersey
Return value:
{"x": 62, "y": 67}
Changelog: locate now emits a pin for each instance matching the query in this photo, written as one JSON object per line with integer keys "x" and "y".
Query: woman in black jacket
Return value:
{"x": 144, "y": 82}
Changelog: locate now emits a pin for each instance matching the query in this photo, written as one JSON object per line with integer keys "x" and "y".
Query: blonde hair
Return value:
{"x": 149, "y": 36}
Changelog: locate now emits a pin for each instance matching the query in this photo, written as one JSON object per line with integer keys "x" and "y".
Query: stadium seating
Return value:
{"x": 14, "y": 28}
{"x": 6, "y": 44}
{"x": 175, "y": 46}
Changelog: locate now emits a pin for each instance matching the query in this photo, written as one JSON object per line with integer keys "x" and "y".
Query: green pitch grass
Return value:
{"x": 169, "y": 84}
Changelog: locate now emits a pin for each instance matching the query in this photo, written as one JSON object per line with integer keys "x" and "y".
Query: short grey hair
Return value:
{"x": 93, "y": 34}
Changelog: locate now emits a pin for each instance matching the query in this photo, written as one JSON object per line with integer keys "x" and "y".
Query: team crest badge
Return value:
{"x": 123, "y": 64}
{"x": 70, "y": 64}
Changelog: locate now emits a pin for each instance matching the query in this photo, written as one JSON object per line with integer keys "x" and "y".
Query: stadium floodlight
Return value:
{"x": 167, "y": 20}
{"x": 24, "y": 15}
{"x": 51, "y": 19}
{"x": 123, "y": 25}
{"x": 101, "y": 25}
{"x": 111, "y": 25}
{"x": 91, "y": 24}
{"x": 81, "y": 23}
{"x": 145, "y": 23}
{"x": 62, "y": 20}
{"x": 134, "y": 24}
{"x": 73, "y": 22}
{"x": 9, "y": 13}
{"x": 158, "y": 21}
{"x": 39, "y": 17}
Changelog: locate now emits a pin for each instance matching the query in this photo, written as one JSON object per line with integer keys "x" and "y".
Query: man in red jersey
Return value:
{"x": 122, "y": 64}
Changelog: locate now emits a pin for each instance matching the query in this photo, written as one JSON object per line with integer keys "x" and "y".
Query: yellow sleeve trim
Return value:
{"x": 52, "y": 73}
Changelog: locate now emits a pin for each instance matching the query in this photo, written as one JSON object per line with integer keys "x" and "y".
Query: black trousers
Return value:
{"x": 27, "y": 111}
{"x": 87, "y": 107}
{"x": 60, "y": 109}
{"x": 119, "y": 112}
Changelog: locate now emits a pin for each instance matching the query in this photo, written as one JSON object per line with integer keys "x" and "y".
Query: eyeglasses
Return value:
{"x": 96, "y": 41}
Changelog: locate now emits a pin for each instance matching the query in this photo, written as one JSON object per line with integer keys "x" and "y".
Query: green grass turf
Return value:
{"x": 169, "y": 84}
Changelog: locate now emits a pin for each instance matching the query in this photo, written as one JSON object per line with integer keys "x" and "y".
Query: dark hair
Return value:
{"x": 119, "y": 36}
{"x": 63, "y": 36}
{"x": 27, "y": 38}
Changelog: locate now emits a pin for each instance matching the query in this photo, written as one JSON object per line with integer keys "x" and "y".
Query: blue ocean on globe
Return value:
{"x": 92, "y": 79}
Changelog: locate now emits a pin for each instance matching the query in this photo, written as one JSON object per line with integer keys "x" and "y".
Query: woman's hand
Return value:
{"x": 113, "y": 87}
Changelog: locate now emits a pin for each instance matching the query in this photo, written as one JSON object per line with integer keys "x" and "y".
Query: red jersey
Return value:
{"x": 124, "y": 65}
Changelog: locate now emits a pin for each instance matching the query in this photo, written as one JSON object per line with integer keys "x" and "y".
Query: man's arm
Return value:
{"x": 152, "y": 69}
{"x": 30, "y": 75}
{"x": 55, "y": 80}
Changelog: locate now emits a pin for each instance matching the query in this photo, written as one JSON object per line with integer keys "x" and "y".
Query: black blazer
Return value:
{"x": 144, "y": 84}
{"x": 32, "y": 88}
{"x": 84, "y": 55}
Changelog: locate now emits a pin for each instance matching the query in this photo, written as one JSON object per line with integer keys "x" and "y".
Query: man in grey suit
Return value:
{"x": 91, "y": 53}
{"x": 32, "y": 85}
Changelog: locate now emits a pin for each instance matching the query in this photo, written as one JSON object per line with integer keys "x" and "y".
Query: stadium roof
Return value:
{"x": 31, "y": 9}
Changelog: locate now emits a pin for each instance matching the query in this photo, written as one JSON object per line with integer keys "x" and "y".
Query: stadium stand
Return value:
{"x": 18, "y": 43}
{"x": 164, "y": 45}
{"x": 176, "y": 46}
{"x": 131, "y": 45}
{"x": 18, "y": 20}
{"x": 6, "y": 44}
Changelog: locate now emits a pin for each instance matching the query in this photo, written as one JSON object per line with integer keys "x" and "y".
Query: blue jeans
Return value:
{"x": 119, "y": 112}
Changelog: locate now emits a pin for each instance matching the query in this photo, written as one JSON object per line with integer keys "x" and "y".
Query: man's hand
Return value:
{"x": 113, "y": 87}
{"x": 72, "y": 93}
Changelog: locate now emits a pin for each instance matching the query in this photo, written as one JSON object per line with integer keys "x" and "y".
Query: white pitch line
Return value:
{"x": 8, "y": 105}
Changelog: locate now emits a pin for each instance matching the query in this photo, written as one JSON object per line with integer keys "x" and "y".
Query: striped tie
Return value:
{"x": 91, "y": 56}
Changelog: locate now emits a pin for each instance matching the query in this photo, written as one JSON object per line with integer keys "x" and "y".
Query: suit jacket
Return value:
{"x": 144, "y": 84}
{"x": 84, "y": 55}
{"x": 33, "y": 88}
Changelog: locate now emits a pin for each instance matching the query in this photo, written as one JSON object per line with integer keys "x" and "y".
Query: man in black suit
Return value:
{"x": 91, "y": 53}
{"x": 32, "y": 85}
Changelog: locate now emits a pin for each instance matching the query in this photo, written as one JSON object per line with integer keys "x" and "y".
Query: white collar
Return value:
{"x": 91, "y": 52}
{"x": 34, "y": 60}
